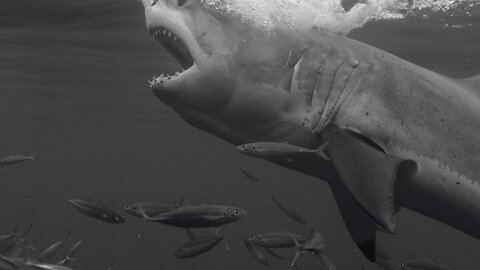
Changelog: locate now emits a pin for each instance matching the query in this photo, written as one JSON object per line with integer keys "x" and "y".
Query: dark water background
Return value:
{"x": 73, "y": 90}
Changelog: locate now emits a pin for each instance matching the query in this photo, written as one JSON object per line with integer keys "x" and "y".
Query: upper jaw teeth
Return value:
{"x": 160, "y": 31}
{"x": 162, "y": 78}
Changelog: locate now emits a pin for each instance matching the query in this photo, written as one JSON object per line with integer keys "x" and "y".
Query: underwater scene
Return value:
{"x": 240, "y": 134}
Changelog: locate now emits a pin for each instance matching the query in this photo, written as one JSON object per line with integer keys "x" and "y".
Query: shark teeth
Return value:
{"x": 176, "y": 46}
{"x": 162, "y": 32}
{"x": 162, "y": 79}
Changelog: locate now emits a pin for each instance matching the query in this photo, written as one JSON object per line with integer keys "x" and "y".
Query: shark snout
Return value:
{"x": 147, "y": 3}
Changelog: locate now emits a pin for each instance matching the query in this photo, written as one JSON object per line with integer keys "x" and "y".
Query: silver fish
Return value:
{"x": 287, "y": 210}
{"x": 197, "y": 246}
{"x": 10, "y": 160}
{"x": 255, "y": 252}
{"x": 275, "y": 151}
{"x": 199, "y": 216}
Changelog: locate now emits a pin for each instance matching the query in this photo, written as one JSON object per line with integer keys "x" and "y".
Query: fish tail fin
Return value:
{"x": 69, "y": 257}
{"x": 142, "y": 212}
{"x": 320, "y": 151}
{"x": 295, "y": 258}
{"x": 297, "y": 253}
{"x": 30, "y": 246}
{"x": 28, "y": 230}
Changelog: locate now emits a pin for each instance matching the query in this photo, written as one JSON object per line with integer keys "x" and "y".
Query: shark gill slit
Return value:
{"x": 332, "y": 97}
{"x": 328, "y": 65}
{"x": 351, "y": 84}
{"x": 319, "y": 119}
{"x": 295, "y": 67}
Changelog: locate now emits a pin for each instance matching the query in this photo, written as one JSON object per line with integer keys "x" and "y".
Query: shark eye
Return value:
{"x": 181, "y": 2}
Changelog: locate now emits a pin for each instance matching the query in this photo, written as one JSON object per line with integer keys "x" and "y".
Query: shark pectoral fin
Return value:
{"x": 361, "y": 226}
{"x": 367, "y": 172}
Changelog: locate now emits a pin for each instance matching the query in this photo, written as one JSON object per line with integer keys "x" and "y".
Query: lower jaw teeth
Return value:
{"x": 162, "y": 79}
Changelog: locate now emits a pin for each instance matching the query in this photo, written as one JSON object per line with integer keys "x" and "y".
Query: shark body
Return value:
{"x": 399, "y": 135}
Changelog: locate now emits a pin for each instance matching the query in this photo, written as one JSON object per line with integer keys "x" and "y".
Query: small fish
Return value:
{"x": 69, "y": 257}
{"x": 150, "y": 208}
{"x": 13, "y": 240}
{"x": 10, "y": 160}
{"x": 49, "y": 252}
{"x": 276, "y": 239}
{"x": 97, "y": 211}
{"x": 315, "y": 245}
{"x": 8, "y": 242}
{"x": 276, "y": 255}
{"x": 255, "y": 252}
{"x": 273, "y": 150}
{"x": 287, "y": 210}
{"x": 12, "y": 263}
{"x": 199, "y": 216}
{"x": 424, "y": 264}
{"x": 250, "y": 175}
{"x": 197, "y": 246}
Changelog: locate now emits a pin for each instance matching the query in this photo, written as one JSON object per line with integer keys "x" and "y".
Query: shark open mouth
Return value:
{"x": 177, "y": 48}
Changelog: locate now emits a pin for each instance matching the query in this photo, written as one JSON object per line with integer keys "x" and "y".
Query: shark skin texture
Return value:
{"x": 399, "y": 135}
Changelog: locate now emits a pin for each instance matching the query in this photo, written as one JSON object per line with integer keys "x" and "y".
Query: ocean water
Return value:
{"x": 74, "y": 91}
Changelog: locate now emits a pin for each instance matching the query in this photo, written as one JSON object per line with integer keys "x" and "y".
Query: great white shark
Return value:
{"x": 399, "y": 135}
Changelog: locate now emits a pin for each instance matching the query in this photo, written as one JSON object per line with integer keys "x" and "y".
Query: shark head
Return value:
{"x": 236, "y": 77}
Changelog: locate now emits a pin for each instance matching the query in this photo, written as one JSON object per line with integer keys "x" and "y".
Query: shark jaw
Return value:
{"x": 186, "y": 31}
{"x": 229, "y": 79}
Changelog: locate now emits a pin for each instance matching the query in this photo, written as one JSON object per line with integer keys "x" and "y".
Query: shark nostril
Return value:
{"x": 154, "y": 2}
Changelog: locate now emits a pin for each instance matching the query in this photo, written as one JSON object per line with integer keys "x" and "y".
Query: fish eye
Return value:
{"x": 117, "y": 218}
{"x": 252, "y": 238}
{"x": 127, "y": 207}
{"x": 181, "y": 2}
{"x": 235, "y": 212}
